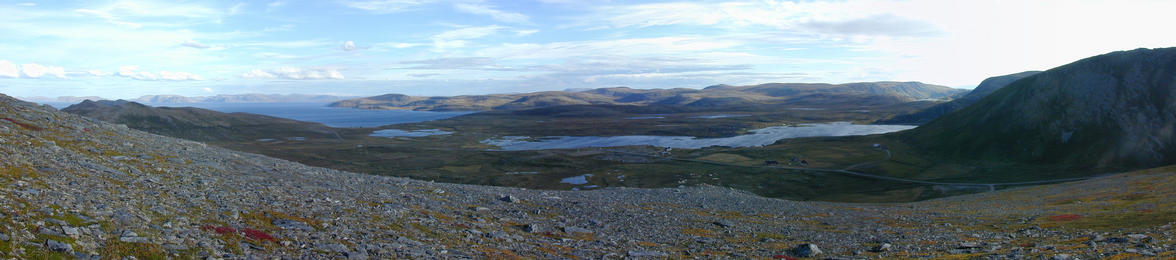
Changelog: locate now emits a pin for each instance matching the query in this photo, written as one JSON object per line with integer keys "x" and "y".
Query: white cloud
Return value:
{"x": 981, "y": 39}
{"x": 525, "y": 32}
{"x": 207, "y": 90}
{"x": 482, "y": 9}
{"x": 468, "y": 32}
{"x": 98, "y": 73}
{"x": 955, "y": 43}
{"x": 178, "y": 76}
{"x": 136, "y": 14}
{"x": 293, "y": 73}
{"x": 275, "y": 55}
{"x": 622, "y": 47}
{"x": 236, "y": 9}
{"x": 162, "y": 9}
{"x": 33, "y": 70}
{"x": 455, "y": 63}
{"x": 399, "y": 45}
{"x": 646, "y": 15}
{"x": 385, "y": 6}
{"x": 133, "y": 72}
{"x": 108, "y": 17}
{"x": 194, "y": 44}
{"x": 9, "y": 69}
{"x": 812, "y": 17}
{"x": 348, "y": 46}
{"x": 274, "y": 6}
{"x": 282, "y": 28}
{"x": 457, "y": 38}
{"x": 288, "y": 44}
{"x": 257, "y": 74}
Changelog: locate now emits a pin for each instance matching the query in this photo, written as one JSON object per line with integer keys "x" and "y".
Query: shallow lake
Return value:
{"x": 758, "y": 137}
{"x": 576, "y": 180}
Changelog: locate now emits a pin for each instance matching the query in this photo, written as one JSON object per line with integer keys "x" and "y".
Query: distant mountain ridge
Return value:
{"x": 985, "y": 88}
{"x": 1116, "y": 110}
{"x": 239, "y": 98}
{"x": 222, "y": 98}
{"x": 713, "y": 96}
{"x": 198, "y": 124}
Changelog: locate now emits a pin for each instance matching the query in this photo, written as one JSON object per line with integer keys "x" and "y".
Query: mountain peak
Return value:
{"x": 1114, "y": 110}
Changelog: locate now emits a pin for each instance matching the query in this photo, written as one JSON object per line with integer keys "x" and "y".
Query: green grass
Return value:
{"x": 113, "y": 247}
{"x": 1110, "y": 222}
{"x": 445, "y": 158}
{"x": 460, "y": 158}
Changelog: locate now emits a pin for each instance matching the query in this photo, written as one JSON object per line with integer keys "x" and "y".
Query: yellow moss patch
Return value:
{"x": 1125, "y": 256}
{"x": 554, "y": 249}
{"x": 960, "y": 256}
{"x": 16, "y": 172}
{"x": 771, "y": 235}
{"x": 114, "y": 247}
{"x": 1113, "y": 221}
{"x": 438, "y": 215}
{"x": 648, "y": 244}
{"x": 719, "y": 214}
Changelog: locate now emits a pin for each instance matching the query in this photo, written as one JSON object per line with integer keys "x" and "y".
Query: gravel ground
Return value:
{"x": 72, "y": 186}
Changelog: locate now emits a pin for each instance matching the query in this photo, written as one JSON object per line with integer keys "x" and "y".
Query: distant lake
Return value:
{"x": 316, "y": 112}
{"x": 758, "y": 137}
{"x": 413, "y": 133}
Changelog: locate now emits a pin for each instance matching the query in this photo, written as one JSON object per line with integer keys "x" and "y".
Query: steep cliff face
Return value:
{"x": 993, "y": 84}
{"x": 985, "y": 88}
{"x": 1113, "y": 110}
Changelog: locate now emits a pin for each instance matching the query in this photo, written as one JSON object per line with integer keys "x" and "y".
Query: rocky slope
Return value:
{"x": 73, "y": 186}
{"x": 200, "y": 124}
{"x": 1114, "y": 111}
{"x": 985, "y": 88}
{"x": 718, "y": 97}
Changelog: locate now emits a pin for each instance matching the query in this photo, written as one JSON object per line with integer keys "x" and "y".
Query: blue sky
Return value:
{"x": 125, "y": 49}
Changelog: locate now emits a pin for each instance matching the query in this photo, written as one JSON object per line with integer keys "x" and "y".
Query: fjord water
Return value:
{"x": 757, "y": 137}
{"x": 316, "y": 112}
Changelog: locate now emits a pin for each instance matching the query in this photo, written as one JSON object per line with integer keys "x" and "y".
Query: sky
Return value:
{"x": 126, "y": 49}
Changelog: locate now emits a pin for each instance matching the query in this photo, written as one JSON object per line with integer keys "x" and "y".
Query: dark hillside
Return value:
{"x": 985, "y": 88}
{"x": 199, "y": 124}
{"x": 1116, "y": 110}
